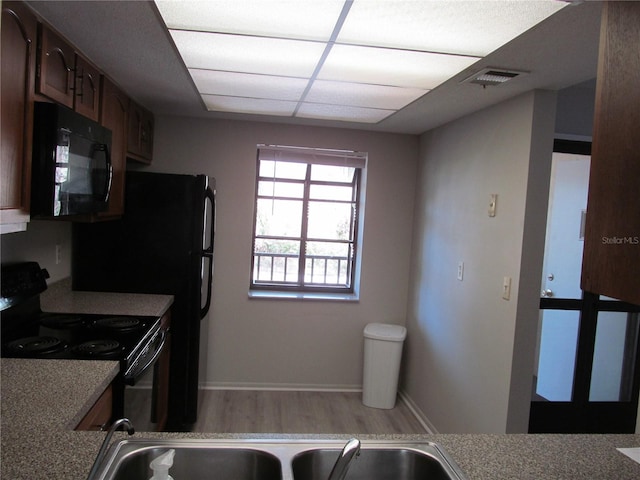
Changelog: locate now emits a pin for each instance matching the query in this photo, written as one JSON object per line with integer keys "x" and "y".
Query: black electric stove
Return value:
{"x": 28, "y": 332}
{"x": 76, "y": 336}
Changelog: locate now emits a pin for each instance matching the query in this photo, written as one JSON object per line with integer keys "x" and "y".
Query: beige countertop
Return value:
{"x": 60, "y": 298}
{"x": 42, "y": 400}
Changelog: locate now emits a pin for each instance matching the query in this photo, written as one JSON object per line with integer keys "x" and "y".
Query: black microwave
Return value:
{"x": 71, "y": 166}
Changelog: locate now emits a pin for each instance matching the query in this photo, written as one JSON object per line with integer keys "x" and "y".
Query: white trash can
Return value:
{"x": 382, "y": 353}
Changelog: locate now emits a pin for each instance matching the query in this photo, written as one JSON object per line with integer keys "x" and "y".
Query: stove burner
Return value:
{"x": 98, "y": 348}
{"x": 122, "y": 324}
{"x": 62, "y": 322}
{"x": 35, "y": 346}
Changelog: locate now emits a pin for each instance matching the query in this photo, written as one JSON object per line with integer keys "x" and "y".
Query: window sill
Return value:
{"x": 331, "y": 297}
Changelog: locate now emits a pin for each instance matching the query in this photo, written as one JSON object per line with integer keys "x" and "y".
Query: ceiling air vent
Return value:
{"x": 492, "y": 76}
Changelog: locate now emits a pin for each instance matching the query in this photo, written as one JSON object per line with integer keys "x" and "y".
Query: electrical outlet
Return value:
{"x": 58, "y": 254}
{"x": 506, "y": 288}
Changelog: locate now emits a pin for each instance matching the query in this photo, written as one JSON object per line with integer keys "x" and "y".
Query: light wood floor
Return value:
{"x": 252, "y": 411}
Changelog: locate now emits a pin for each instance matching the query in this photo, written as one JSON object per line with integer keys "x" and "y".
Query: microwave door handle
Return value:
{"x": 207, "y": 252}
{"x": 103, "y": 196}
{"x": 109, "y": 169}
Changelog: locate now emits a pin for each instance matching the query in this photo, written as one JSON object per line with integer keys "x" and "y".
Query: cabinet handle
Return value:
{"x": 21, "y": 26}
{"x": 82, "y": 77}
{"x": 64, "y": 62}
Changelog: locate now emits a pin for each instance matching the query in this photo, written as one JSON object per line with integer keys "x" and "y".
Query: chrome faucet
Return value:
{"x": 349, "y": 452}
{"x": 105, "y": 443}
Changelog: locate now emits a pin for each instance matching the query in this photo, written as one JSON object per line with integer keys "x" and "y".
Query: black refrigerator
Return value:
{"x": 162, "y": 244}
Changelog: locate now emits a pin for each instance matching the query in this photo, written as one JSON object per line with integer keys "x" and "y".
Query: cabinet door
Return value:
{"x": 87, "y": 89}
{"x": 114, "y": 116}
{"x": 55, "y": 68}
{"x": 611, "y": 259}
{"x": 19, "y": 29}
{"x": 140, "y": 134}
{"x": 99, "y": 416}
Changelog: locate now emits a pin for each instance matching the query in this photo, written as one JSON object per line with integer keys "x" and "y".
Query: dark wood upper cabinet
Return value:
{"x": 67, "y": 77}
{"x": 140, "y": 134}
{"x": 611, "y": 260}
{"x": 19, "y": 30}
{"x": 39, "y": 64}
{"x": 87, "y": 89}
{"x": 56, "y": 63}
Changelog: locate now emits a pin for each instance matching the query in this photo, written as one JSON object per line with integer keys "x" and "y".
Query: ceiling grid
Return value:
{"x": 353, "y": 60}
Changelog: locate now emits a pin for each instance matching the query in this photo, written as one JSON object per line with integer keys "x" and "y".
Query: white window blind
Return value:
{"x": 338, "y": 158}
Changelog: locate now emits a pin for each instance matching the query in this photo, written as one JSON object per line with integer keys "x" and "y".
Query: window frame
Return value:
{"x": 311, "y": 156}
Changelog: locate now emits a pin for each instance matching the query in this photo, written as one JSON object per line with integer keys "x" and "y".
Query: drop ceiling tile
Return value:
{"x": 362, "y": 95}
{"x": 248, "y": 85}
{"x": 238, "y": 53}
{"x": 309, "y": 20}
{"x": 473, "y": 28}
{"x": 342, "y": 113}
{"x": 259, "y": 106}
{"x": 384, "y": 66}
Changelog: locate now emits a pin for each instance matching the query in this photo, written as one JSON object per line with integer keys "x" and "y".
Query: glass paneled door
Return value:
{"x": 587, "y": 372}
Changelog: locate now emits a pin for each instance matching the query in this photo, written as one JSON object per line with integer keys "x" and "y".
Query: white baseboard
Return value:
{"x": 419, "y": 414}
{"x": 282, "y": 387}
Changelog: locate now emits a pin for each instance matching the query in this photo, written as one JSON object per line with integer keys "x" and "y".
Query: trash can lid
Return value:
{"x": 385, "y": 331}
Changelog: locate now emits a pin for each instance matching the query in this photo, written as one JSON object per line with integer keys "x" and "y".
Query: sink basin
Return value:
{"x": 374, "y": 464}
{"x": 199, "y": 462}
{"x": 297, "y": 459}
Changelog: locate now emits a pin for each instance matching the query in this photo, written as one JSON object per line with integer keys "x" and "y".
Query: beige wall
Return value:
{"x": 38, "y": 244}
{"x": 469, "y": 353}
{"x": 297, "y": 344}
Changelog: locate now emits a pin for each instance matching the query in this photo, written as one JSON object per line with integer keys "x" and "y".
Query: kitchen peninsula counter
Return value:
{"x": 42, "y": 401}
{"x": 38, "y": 443}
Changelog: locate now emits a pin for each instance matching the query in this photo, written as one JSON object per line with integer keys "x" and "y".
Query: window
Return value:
{"x": 306, "y": 219}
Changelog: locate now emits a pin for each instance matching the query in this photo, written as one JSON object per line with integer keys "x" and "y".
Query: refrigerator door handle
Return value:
{"x": 207, "y": 251}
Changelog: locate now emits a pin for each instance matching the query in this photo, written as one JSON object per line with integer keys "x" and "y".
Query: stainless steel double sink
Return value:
{"x": 278, "y": 460}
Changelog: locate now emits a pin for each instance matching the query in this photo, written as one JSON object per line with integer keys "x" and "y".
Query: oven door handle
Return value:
{"x": 132, "y": 375}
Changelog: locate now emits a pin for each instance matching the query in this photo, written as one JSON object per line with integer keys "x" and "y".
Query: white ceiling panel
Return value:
{"x": 301, "y": 19}
{"x": 362, "y": 95}
{"x": 248, "y": 85}
{"x": 384, "y": 66}
{"x": 342, "y": 113}
{"x": 258, "y": 106}
{"x": 473, "y": 28}
{"x": 238, "y": 53}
